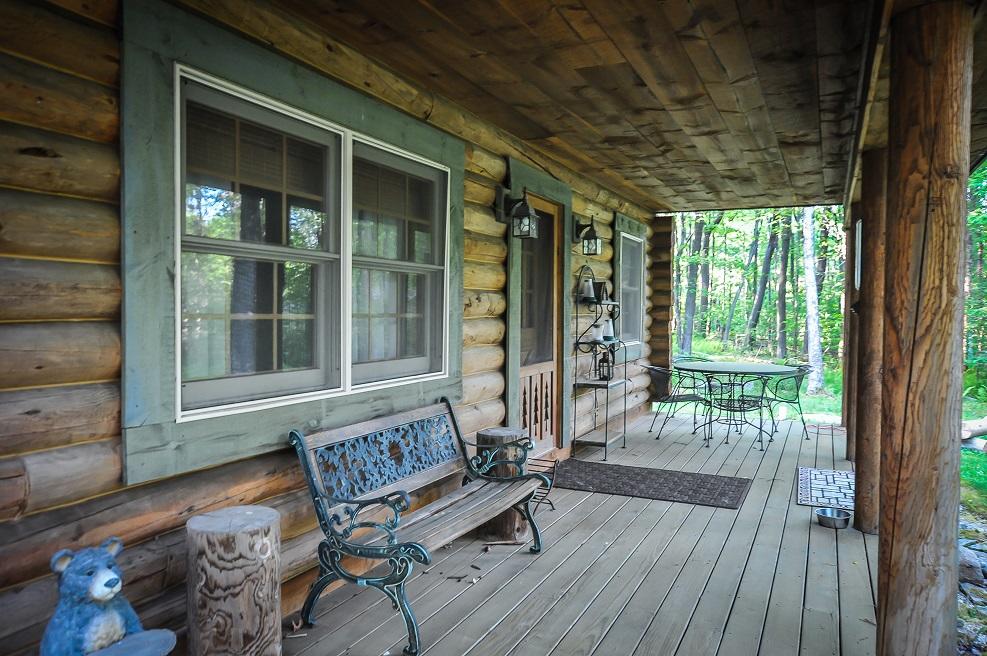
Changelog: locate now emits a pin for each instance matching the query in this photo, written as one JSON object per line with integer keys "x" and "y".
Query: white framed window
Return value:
{"x": 279, "y": 297}
{"x": 631, "y": 288}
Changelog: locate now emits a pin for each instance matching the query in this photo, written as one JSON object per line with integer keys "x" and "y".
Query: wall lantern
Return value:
{"x": 517, "y": 213}
{"x": 592, "y": 244}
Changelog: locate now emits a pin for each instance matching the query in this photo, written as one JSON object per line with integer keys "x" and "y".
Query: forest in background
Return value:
{"x": 740, "y": 281}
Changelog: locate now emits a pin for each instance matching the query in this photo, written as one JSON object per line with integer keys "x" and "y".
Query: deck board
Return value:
{"x": 622, "y": 576}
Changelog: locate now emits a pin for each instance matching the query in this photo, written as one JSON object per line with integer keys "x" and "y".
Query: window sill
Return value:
{"x": 257, "y": 405}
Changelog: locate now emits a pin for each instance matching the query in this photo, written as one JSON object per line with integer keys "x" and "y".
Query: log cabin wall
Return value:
{"x": 60, "y": 290}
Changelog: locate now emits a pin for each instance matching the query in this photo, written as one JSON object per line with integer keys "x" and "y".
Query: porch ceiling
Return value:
{"x": 693, "y": 104}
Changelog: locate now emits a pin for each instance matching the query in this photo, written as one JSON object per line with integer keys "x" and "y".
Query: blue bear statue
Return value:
{"x": 91, "y": 614}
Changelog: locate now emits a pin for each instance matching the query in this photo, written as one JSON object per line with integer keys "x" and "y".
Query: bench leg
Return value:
{"x": 308, "y": 608}
{"x": 399, "y": 596}
{"x": 525, "y": 509}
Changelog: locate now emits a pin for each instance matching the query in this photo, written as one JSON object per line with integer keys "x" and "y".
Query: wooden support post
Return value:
{"x": 928, "y": 165}
{"x": 870, "y": 340}
{"x": 850, "y": 324}
{"x": 509, "y": 525}
{"x": 234, "y": 582}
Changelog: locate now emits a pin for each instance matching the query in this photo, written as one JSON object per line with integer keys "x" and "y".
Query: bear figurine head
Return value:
{"x": 90, "y": 574}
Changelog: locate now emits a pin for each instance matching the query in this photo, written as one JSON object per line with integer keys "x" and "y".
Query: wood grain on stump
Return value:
{"x": 234, "y": 582}
{"x": 509, "y": 525}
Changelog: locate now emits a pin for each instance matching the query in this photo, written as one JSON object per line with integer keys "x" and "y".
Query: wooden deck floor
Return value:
{"x": 621, "y": 576}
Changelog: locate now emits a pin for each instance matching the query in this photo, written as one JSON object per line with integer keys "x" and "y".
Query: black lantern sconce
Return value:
{"x": 592, "y": 244}
{"x": 517, "y": 214}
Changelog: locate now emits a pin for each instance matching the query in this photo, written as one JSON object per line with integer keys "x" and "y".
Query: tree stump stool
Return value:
{"x": 509, "y": 525}
{"x": 234, "y": 581}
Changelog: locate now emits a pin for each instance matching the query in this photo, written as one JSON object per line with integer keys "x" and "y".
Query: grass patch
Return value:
{"x": 973, "y": 481}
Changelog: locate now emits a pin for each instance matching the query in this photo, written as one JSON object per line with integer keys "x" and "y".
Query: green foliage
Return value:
{"x": 973, "y": 481}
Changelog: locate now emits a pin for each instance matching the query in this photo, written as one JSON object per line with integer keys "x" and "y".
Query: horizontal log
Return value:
{"x": 483, "y": 386}
{"x": 479, "y": 190}
{"x": 602, "y": 270}
{"x": 591, "y": 209}
{"x": 484, "y": 276}
{"x": 55, "y": 163}
{"x": 13, "y": 488}
{"x": 477, "y": 416}
{"x": 70, "y": 473}
{"x": 482, "y": 331}
{"x": 480, "y": 219}
{"x": 483, "y": 248}
{"x": 39, "y": 225}
{"x": 37, "y": 289}
{"x": 482, "y": 358}
{"x": 33, "y": 354}
{"x": 101, "y": 11}
{"x": 585, "y": 422}
{"x": 51, "y": 100}
{"x": 34, "y": 31}
{"x": 482, "y": 162}
{"x": 50, "y": 417}
{"x": 139, "y": 513}
{"x": 483, "y": 304}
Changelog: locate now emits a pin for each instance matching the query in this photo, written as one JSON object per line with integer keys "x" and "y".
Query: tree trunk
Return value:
{"x": 689, "y": 315}
{"x": 751, "y": 257}
{"x": 811, "y": 302}
{"x": 705, "y": 271}
{"x": 762, "y": 283}
{"x": 782, "y": 300}
{"x": 679, "y": 297}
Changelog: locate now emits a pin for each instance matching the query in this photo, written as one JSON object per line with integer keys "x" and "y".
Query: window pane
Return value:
{"x": 261, "y": 158}
{"x": 245, "y": 316}
{"x": 397, "y": 304}
{"x": 245, "y": 182}
{"x": 631, "y": 291}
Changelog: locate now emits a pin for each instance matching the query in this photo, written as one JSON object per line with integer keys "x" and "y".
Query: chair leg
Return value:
{"x": 760, "y": 428}
{"x": 308, "y": 608}
{"x": 525, "y": 509}
{"x": 805, "y": 429}
{"x": 655, "y": 418}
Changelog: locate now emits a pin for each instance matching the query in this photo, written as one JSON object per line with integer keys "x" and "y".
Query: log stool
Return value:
{"x": 509, "y": 525}
{"x": 234, "y": 581}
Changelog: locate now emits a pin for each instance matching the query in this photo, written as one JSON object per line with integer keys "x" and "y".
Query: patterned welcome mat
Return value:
{"x": 825, "y": 488}
{"x": 662, "y": 484}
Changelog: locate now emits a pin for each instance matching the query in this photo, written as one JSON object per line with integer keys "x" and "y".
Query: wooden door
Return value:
{"x": 540, "y": 330}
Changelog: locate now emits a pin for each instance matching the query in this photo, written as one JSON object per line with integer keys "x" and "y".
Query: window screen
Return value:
{"x": 631, "y": 293}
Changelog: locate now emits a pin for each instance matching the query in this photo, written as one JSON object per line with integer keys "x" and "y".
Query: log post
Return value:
{"x": 870, "y": 340}
{"x": 850, "y": 336}
{"x": 928, "y": 165}
{"x": 234, "y": 581}
{"x": 509, "y": 525}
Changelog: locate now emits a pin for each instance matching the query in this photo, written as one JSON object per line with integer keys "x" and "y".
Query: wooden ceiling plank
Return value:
{"x": 786, "y": 66}
{"x": 644, "y": 36}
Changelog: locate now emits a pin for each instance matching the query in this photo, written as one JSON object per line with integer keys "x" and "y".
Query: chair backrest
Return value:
{"x": 661, "y": 381}
{"x": 787, "y": 388}
{"x": 405, "y": 451}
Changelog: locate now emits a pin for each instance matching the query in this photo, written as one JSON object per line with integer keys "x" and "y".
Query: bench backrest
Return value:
{"x": 405, "y": 451}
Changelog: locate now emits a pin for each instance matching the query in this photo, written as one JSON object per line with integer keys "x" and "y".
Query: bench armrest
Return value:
{"x": 344, "y": 524}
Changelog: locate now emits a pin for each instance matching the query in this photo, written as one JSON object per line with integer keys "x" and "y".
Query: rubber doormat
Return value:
{"x": 647, "y": 483}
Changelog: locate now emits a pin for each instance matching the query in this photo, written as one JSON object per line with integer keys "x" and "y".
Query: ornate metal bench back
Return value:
{"x": 347, "y": 464}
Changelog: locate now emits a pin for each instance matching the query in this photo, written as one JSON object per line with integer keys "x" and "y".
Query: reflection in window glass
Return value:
{"x": 245, "y": 316}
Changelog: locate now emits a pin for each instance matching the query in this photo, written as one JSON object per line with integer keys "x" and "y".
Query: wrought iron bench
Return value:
{"x": 359, "y": 476}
